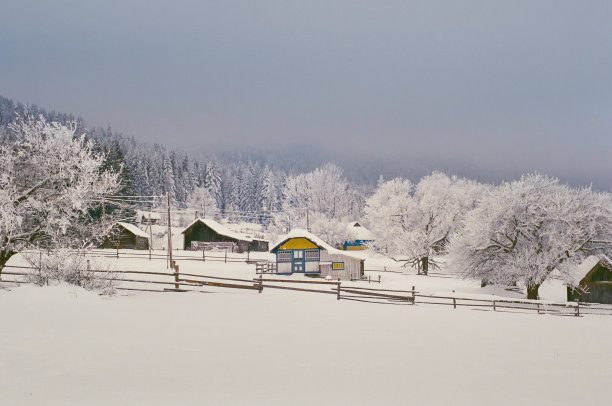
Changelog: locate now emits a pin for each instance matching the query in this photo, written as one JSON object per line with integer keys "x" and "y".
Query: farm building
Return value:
{"x": 126, "y": 236}
{"x": 303, "y": 252}
{"x": 594, "y": 280}
{"x": 359, "y": 237}
{"x": 209, "y": 231}
{"x": 143, "y": 217}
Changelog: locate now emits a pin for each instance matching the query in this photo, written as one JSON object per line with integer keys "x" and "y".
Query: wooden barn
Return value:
{"x": 594, "y": 277}
{"x": 207, "y": 230}
{"x": 303, "y": 252}
{"x": 126, "y": 236}
{"x": 359, "y": 237}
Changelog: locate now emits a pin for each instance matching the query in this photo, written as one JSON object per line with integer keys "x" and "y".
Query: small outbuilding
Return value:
{"x": 126, "y": 236}
{"x": 359, "y": 237}
{"x": 144, "y": 217}
{"x": 303, "y": 252}
{"x": 594, "y": 280}
{"x": 207, "y": 230}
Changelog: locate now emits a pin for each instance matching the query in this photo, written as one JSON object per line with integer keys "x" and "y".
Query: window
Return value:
{"x": 312, "y": 255}
{"x": 338, "y": 266}
{"x": 298, "y": 254}
{"x": 297, "y": 267}
{"x": 283, "y": 256}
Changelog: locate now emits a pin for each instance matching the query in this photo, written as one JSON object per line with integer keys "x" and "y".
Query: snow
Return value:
{"x": 577, "y": 273}
{"x": 301, "y": 233}
{"x": 66, "y": 346}
{"x": 359, "y": 232}
{"x": 221, "y": 229}
{"x": 133, "y": 229}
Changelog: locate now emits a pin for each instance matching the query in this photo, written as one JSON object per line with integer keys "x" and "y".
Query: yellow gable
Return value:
{"x": 300, "y": 243}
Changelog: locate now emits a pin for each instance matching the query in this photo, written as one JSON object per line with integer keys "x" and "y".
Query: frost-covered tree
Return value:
{"x": 204, "y": 202}
{"x": 49, "y": 180}
{"x": 523, "y": 230}
{"x": 328, "y": 197}
{"x": 414, "y": 222}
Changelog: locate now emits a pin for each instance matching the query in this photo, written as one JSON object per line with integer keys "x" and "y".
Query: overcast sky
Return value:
{"x": 502, "y": 86}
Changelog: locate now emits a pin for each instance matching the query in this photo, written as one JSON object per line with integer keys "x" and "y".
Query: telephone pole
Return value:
{"x": 169, "y": 233}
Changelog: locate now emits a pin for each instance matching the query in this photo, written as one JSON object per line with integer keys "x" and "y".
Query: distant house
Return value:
{"x": 594, "y": 279}
{"x": 126, "y": 236}
{"x": 209, "y": 231}
{"x": 360, "y": 237}
{"x": 143, "y": 217}
{"x": 303, "y": 252}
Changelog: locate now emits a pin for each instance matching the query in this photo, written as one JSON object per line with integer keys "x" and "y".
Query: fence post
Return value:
{"x": 538, "y": 307}
{"x": 260, "y": 283}
{"x": 494, "y": 305}
{"x": 369, "y": 278}
{"x": 117, "y": 246}
{"x": 577, "y": 308}
{"x": 338, "y": 295}
{"x": 413, "y": 295}
{"x": 226, "y": 255}
{"x": 176, "y": 275}
{"x": 203, "y": 255}
{"x": 378, "y": 278}
{"x": 248, "y": 256}
{"x": 454, "y": 301}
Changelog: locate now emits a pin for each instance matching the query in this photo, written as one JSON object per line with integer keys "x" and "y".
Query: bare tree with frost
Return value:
{"x": 49, "y": 179}
{"x": 414, "y": 222}
{"x": 329, "y": 198}
{"x": 524, "y": 230}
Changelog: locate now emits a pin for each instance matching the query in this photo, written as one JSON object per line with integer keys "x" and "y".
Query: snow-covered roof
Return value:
{"x": 301, "y": 233}
{"x": 133, "y": 229}
{"x": 578, "y": 272}
{"x": 358, "y": 232}
{"x": 220, "y": 229}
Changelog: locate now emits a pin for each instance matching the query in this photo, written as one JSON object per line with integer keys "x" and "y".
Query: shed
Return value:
{"x": 359, "y": 237}
{"x": 207, "y": 230}
{"x": 126, "y": 236}
{"x": 143, "y": 217}
{"x": 303, "y": 252}
{"x": 593, "y": 278}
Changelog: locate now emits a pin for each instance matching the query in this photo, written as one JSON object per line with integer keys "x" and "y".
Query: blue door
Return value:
{"x": 298, "y": 261}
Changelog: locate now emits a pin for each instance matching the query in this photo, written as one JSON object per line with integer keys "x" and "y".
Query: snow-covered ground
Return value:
{"x": 63, "y": 345}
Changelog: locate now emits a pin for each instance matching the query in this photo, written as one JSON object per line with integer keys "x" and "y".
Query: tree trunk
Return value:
{"x": 5, "y": 255}
{"x": 425, "y": 262}
{"x": 532, "y": 291}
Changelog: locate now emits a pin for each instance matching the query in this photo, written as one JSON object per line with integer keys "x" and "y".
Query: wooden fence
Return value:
{"x": 185, "y": 282}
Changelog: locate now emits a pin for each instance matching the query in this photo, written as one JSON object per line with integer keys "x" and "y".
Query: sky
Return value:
{"x": 500, "y": 87}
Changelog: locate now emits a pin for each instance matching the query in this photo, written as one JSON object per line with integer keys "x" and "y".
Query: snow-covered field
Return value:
{"x": 63, "y": 345}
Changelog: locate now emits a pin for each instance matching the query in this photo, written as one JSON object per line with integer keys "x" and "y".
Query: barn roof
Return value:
{"x": 301, "y": 233}
{"x": 358, "y": 232}
{"x": 579, "y": 272}
{"x": 133, "y": 229}
{"x": 219, "y": 229}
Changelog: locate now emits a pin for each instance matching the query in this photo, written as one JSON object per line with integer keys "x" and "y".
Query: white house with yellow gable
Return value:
{"x": 302, "y": 252}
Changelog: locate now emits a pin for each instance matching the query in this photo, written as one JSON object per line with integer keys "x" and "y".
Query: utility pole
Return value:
{"x": 103, "y": 213}
{"x": 150, "y": 236}
{"x": 307, "y": 220}
{"x": 169, "y": 234}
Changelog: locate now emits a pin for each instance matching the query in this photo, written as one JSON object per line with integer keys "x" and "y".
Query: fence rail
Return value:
{"x": 184, "y": 282}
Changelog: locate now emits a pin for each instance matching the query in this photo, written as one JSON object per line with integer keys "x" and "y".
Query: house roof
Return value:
{"x": 133, "y": 229}
{"x": 579, "y": 272}
{"x": 301, "y": 233}
{"x": 219, "y": 229}
{"x": 358, "y": 232}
